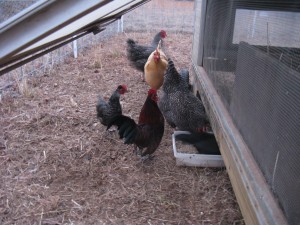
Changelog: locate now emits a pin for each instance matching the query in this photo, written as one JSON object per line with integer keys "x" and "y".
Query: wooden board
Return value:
{"x": 255, "y": 199}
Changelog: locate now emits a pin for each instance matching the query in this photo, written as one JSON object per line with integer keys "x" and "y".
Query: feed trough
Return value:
{"x": 194, "y": 159}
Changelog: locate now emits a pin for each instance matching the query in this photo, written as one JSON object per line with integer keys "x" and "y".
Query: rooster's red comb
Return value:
{"x": 163, "y": 33}
{"x": 124, "y": 86}
{"x": 151, "y": 91}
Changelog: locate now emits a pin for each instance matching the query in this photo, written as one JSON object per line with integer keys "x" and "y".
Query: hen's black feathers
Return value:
{"x": 156, "y": 39}
{"x": 106, "y": 111}
{"x": 127, "y": 128}
{"x": 138, "y": 54}
{"x": 205, "y": 143}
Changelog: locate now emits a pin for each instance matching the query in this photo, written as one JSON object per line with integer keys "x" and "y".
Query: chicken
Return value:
{"x": 138, "y": 54}
{"x": 205, "y": 143}
{"x": 155, "y": 68}
{"x": 179, "y": 106}
{"x": 184, "y": 73}
{"x": 106, "y": 111}
{"x": 149, "y": 130}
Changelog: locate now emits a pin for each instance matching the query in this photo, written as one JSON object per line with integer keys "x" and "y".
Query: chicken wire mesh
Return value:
{"x": 12, "y": 7}
{"x": 252, "y": 56}
{"x": 45, "y": 63}
{"x": 178, "y": 17}
{"x": 170, "y": 15}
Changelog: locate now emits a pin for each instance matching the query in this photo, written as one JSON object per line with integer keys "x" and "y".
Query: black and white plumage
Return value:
{"x": 107, "y": 111}
{"x": 138, "y": 54}
{"x": 184, "y": 73}
{"x": 179, "y": 106}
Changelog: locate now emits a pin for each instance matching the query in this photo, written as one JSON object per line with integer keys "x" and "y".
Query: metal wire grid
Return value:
{"x": 144, "y": 18}
{"x": 252, "y": 56}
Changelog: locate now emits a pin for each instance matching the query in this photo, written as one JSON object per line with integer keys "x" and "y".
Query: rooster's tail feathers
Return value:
{"x": 126, "y": 126}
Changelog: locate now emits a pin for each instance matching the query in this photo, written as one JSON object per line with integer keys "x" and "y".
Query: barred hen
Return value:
{"x": 184, "y": 73}
{"x": 179, "y": 106}
{"x": 148, "y": 132}
{"x": 106, "y": 111}
{"x": 138, "y": 54}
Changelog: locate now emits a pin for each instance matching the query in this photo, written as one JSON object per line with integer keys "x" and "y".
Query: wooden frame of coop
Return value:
{"x": 254, "y": 195}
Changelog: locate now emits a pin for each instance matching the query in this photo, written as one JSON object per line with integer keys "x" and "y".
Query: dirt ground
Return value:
{"x": 59, "y": 165}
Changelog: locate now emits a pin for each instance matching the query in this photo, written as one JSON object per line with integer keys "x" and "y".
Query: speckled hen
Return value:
{"x": 179, "y": 106}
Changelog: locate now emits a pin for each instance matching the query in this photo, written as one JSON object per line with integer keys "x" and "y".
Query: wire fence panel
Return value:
{"x": 144, "y": 18}
{"x": 252, "y": 56}
{"x": 12, "y": 7}
{"x": 45, "y": 63}
{"x": 169, "y": 15}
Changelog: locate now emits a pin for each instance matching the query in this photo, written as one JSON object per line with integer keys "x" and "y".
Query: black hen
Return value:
{"x": 205, "y": 143}
{"x": 179, "y": 106}
{"x": 106, "y": 111}
{"x": 138, "y": 54}
{"x": 149, "y": 130}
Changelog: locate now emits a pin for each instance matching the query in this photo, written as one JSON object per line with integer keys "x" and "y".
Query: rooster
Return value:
{"x": 155, "y": 68}
{"x": 179, "y": 106}
{"x": 138, "y": 54}
{"x": 149, "y": 130}
{"x": 106, "y": 111}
